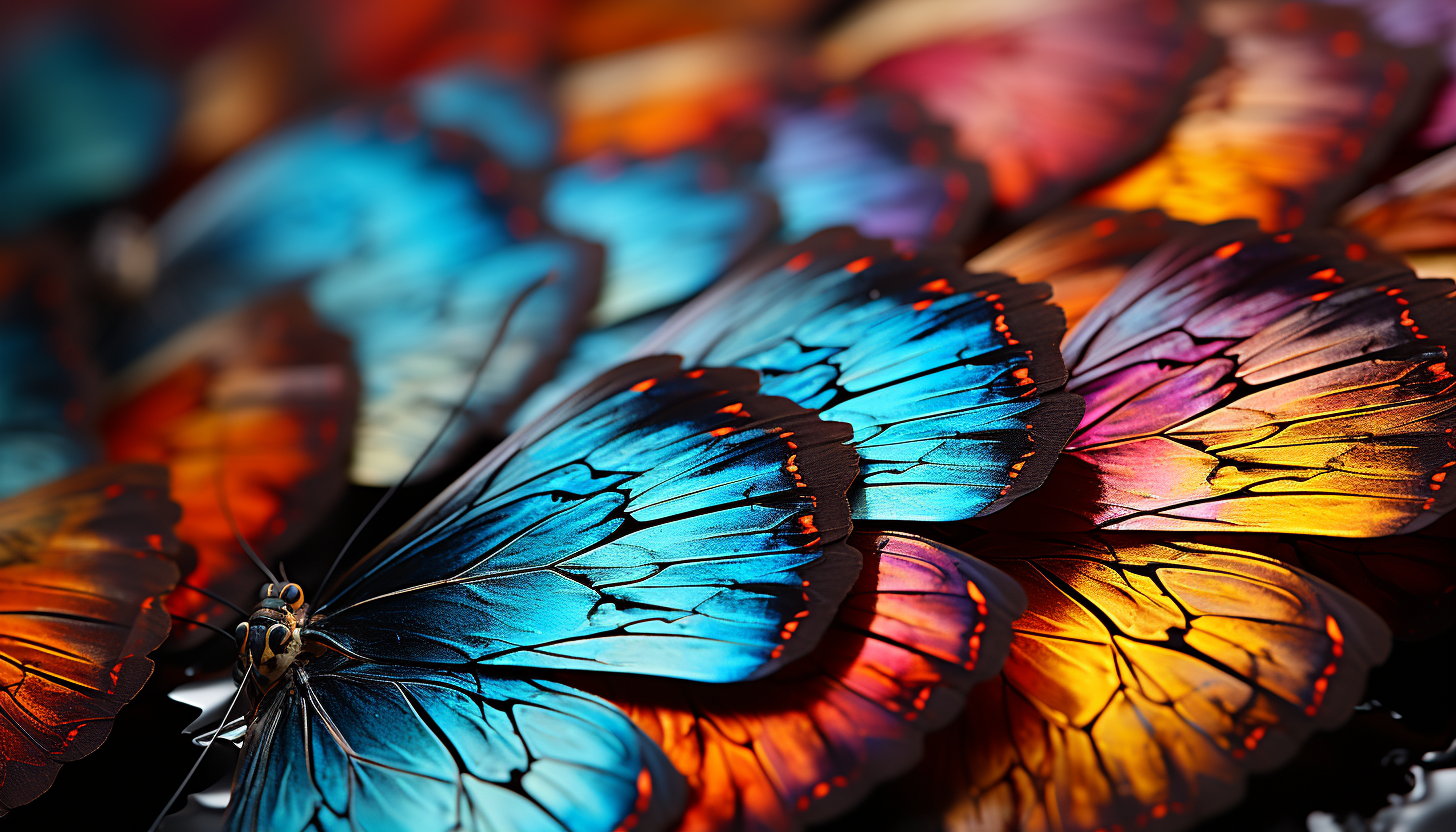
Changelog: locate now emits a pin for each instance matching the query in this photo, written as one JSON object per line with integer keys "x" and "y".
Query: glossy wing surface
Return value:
{"x": 919, "y": 628}
{"x": 253, "y": 414}
{"x": 951, "y": 380}
{"x": 1147, "y": 679}
{"x": 83, "y": 565}
{"x": 367, "y": 746}
{"x": 1051, "y": 95}
{"x": 1305, "y": 103}
{"x": 668, "y": 522}
{"x": 1241, "y": 381}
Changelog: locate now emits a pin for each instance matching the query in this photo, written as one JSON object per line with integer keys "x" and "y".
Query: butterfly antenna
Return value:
{"x": 218, "y": 598}
{"x": 227, "y": 512}
{"x": 194, "y": 622}
{"x": 228, "y": 713}
{"x": 450, "y": 419}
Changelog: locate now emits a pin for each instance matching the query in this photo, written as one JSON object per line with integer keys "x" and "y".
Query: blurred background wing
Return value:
{"x": 681, "y": 523}
{"x": 83, "y": 566}
{"x": 950, "y": 380}
{"x": 1307, "y": 101}
{"x": 49, "y": 385}
{"x": 1149, "y": 676}
{"x": 253, "y": 414}
{"x": 1052, "y": 96}
{"x": 1414, "y": 213}
{"x": 920, "y": 627}
{"x": 1241, "y": 381}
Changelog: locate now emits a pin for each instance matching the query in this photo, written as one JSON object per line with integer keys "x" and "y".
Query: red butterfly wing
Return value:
{"x": 83, "y": 565}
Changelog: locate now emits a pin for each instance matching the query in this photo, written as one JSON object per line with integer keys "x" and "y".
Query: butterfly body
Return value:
{"x": 272, "y": 637}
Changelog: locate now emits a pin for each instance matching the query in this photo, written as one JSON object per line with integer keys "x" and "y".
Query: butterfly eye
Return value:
{"x": 292, "y": 595}
{"x": 256, "y": 638}
{"x": 277, "y": 637}
{"x": 240, "y": 633}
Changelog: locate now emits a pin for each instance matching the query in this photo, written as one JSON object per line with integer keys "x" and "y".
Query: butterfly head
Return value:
{"x": 270, "y": 639}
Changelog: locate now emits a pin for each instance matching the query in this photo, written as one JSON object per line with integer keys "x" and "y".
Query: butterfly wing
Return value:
{"x": 1241, "y": 381}
{"x": 253, "y": 413}
{"x": 386, "y": 225}
{"x": 1147, "y": 679}
{"x": 1413, "y": 214}
{"x": 1081, "y": 252}
{"x": 83, "y": 567}
{"x": 1307, "y": 101}
{"x": 848, "y": 156}
{"x": 1051, "y": 96}
{"x": 508, "y": 114}
{"x": 949, "y": 379}
{"x": 82, "y": 121}
{"x": 372, "y": 746}
{"x": 681, "y": 524}
{"x": 671, "y": 225}
{"x": 48, "y": 386}
{"x": 922, "y": 625}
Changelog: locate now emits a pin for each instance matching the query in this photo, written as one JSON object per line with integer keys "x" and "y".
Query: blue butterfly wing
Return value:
{"x": 509, "y": 115}
{"x": 671, "y": 226}
{"x": 398, "y": 247}
{"x": 48, "y": 388}
{"x": 871, "y": 161}
{"x": 951, "y": 380}
{"x": 80, "y": 122}
{"x": 664, "y": 522}
{"x": 367, "y": 746}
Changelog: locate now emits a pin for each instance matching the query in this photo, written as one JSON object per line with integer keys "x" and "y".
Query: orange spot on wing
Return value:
{"x": 1227, "y": 251}
{"x": 799, "y": 261}
{"x": 643, "y": 386}
{"x": 859, "y": 265}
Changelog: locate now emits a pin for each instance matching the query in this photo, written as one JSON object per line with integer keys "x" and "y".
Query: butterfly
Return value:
{"x": 921, "y": 625}
{"x": 252, "y": 412}
{"x": 83, "y": 121}
{"x": 1242, "y": 381}
{"x": 1410, "y": 214}
{"x": 1080, "y": 252}
{"x": 406, "y": 239}
{"x": 1149, "y": 676}
{"x": 49, "y": 385}
{"x": 1051, "y": 96}
{"x": 1305, "y": 103}
{"x": 83, "y": 565}
{"x": 662, "y": 522}
{"x": 950, "y": 379}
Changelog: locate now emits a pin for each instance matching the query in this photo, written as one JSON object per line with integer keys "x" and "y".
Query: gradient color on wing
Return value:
{"x": 951, "y": 380}
{"x": 1414, "y": 213}
{"x": 671, "y": 226}
{"x": 1240, "y": 381}
{"x": 378, "y": 746}
{"x": 48, "y": 385}
{"x": 1149, "y": 676}
{"x": 848, "y": 156}
{"x": 1306, "y": 102}
{"x": 679, "y": 522}
{"x": 1421, "y": 23}
{"x": 921, "y": 626}
{"x": 1052, "y": 96}
{"x": 83, "y": 567}
{"x": 253, "y": 413}
{"x": 407, "y": 239}
{"x": 1081, "y": 253}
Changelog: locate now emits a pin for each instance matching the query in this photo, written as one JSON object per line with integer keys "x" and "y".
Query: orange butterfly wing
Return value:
{"x": 253, "y": 413}
{"x": 1149, "y": 676}
{"x": 922, "y": 624}
{"x": 1307, "y": 100}
{"x": 83, "y": 565}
